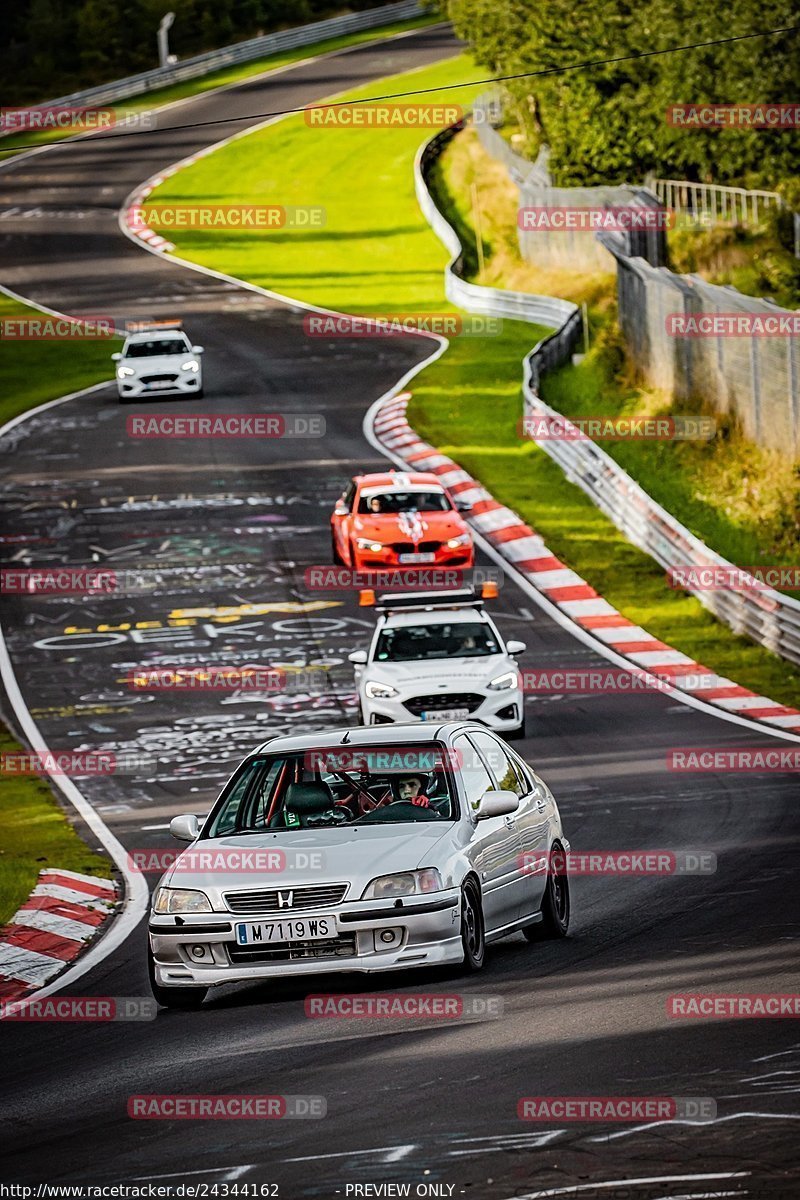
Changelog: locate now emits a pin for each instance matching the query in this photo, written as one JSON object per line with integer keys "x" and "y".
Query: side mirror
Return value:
{"x": 497, "y": 804}
{"x": 197, "y": 349}
{"x": 463, "y": 506}
{"x": 116, "y": 357}
{"x": 358, "y": 657}
{"x": 341, "y": 509}
{"x": 514, "y": 647}
{"x": 185, "y": 828}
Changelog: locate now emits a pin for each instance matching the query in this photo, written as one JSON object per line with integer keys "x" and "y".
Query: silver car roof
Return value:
{"x": 414, "y": 732}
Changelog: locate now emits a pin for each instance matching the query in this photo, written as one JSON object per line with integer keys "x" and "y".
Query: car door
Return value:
{"x": 530, "y": 819}
{"x": 494, "y": 846}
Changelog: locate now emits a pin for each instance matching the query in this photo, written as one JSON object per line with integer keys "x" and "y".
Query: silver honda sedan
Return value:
{"x": 366, "y": 849}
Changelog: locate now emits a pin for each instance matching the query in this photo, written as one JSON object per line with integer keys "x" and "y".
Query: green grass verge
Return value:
{"x": 16, "y": 143}
{"x": 36, "y": 835}
{"x": 376, "y": 254}
{"x": 32, "y": 372}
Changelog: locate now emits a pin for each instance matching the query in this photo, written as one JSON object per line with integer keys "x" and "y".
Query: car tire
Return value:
{"x": 335, "y": 555}
{"x": 177, "y": 997}
{"x": 555, "y": 905}
{"x": 199, "y": 394}
{"x": 473, "y": 937}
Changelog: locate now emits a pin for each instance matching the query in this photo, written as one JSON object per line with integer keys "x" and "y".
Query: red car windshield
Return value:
{"x": 400, "y": 502}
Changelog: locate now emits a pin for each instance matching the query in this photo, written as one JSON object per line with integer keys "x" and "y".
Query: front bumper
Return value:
{"x": 463, "y": 558}
{"x": 189, "y": 385}
{"x": 501, "y": 711}
{"x": 425, "y": 930}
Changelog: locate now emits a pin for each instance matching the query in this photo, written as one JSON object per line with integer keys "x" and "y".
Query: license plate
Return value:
{"x": 416, "y": 558}
{"x": 298, "y": 929}
{"x": 160, "y": 385}
{"x": 446, "y": 714}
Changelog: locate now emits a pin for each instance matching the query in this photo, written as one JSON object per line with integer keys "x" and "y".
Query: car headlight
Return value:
{"x": 409, "y": 883}
{"x": 123, "y": 371}
{"x": 368, "y": 544}
{"x": 463, "y": 539}
{"x": 180, "y": 900}
{"x": 502, "y": 682}
{"x": 191, "y": 365}
{"x": 379, "y": 691}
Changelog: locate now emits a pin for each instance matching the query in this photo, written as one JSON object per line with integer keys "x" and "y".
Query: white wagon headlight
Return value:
{"x": 180, "y": 900}
{"x": 379, "y": 691}
{"x": 502, "y": 682}
{"x": 409, "y": 883}
{"x": 124, "y": 371}
{"x": 191, "y": 365}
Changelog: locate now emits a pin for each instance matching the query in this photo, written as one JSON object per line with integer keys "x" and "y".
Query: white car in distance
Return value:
{"x": 438, "y": 656}
{"x": 158, "y": 359}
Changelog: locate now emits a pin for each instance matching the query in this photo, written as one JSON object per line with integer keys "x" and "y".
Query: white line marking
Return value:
{"x": 614, "y": 1183}
{"x": 612, "y": 1137}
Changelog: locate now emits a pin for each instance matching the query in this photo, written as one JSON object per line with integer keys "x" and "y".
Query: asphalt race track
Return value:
{"x": 223, "y": 525}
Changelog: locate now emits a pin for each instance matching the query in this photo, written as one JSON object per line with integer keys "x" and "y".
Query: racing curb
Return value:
{"x": 526, "y": 552}
{"x": 64, "y": 912}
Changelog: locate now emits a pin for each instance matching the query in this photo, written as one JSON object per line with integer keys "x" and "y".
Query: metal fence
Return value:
{"x": 767, "y": 616}
{"x": 698, "y": 340}
{"x": 714, "y": 204}
{"x": 259, "y": 47}
{"x": 487, "y": 112}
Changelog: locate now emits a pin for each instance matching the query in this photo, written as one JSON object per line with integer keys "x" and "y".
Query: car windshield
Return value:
{"x": 156, "y": 347}
{"x": 349, "y": 785}
{"x": 462, "y": 639}
{"x": 399, "y": 502}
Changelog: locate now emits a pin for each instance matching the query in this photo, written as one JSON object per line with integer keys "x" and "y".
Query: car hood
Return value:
{"x": 441, "y": 674}
{"x": 158, "y": 362}
{"x": 410, "y": 527}
{"x": 352, "y": 854}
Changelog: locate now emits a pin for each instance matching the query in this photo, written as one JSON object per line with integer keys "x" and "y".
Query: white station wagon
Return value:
{"x": 366, "y": 849}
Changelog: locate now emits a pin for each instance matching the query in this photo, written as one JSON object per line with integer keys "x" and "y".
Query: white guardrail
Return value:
{"x": 765, "y": 615}
{"x": 259, "y": 47}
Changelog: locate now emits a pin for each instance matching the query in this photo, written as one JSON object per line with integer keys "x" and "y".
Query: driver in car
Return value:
{"x": 409, "y": 789}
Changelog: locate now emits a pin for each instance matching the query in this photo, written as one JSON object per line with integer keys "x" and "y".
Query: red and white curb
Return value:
{"x": 138, "y": 227}
{"x": 526, "y": 551}
{"x": 62, "y": 914}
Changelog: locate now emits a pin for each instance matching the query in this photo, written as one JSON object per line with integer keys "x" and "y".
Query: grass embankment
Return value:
{"x": 36, "y": 835}
{"x": 759, "y": 262}
{"x": 377, "y": 255}
{"x": 32, "y": 372}
{"x": 15, "y": 143}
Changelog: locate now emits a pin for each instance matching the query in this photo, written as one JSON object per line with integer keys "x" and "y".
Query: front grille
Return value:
{"x": 267, "y": 900}
{"x": 420, "y": 704}
{"x": 158, "y": 378}
{"x": 338, "y": 947}
{"x": 411, "y": 548}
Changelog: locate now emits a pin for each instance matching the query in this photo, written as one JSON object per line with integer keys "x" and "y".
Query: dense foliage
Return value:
{"x": 51, "y": 47}
{"x": 608, "y": 123}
